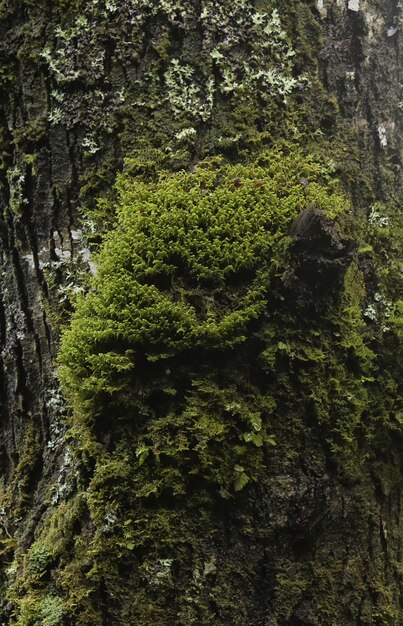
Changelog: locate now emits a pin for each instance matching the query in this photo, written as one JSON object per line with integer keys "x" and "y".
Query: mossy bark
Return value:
{"x": 82, "y": 87}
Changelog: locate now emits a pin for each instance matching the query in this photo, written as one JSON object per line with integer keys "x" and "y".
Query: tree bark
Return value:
{"x": 84, "y": 86}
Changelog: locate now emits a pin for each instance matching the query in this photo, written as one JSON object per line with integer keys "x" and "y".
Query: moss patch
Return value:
{"x": 223, "y": 338}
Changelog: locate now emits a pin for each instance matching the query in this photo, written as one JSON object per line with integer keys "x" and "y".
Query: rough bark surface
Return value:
{"x": 324, "y": 549}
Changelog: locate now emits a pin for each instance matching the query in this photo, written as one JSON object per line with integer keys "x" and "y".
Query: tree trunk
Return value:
{"x": 84, "y": 86}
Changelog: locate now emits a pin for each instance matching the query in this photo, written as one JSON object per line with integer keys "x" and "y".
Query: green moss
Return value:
{"x": 187, "y": 267}
{"x": 195, "y": 362}
{"x": 212, "y": 350}
{"x": 47, "y": 611}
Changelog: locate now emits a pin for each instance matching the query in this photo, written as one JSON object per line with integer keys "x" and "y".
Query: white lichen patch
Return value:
{"x": 66, "y": 263}
{"x": 86, "y": 257}
{"x": 76, "y": 235}
{"x": 383, "y": 140}
{"x": 90, "y": 145}
{"x": 29, "y": 258}
{"x": 354, "y": 5}
{"x": 186, "y": 133}
{"x": 66, "y": 479}
{"x": 44, "y": 257}
{"x": 376, "y": 219}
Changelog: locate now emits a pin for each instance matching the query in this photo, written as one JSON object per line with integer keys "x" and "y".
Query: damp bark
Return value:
{"x": 83, "y": 86}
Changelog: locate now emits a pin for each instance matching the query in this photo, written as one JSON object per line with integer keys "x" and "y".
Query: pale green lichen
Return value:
{"x": 239, "y": 69}
{"x": 16, "y": 182}
{"x": 192, "y": 88}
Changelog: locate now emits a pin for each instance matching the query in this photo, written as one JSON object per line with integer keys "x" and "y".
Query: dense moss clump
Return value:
{"x": 182, "y": 280}
{"x": 232, "y": 333}
{"x": 188, "y": 266}
{"x": 240, "y": 323}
